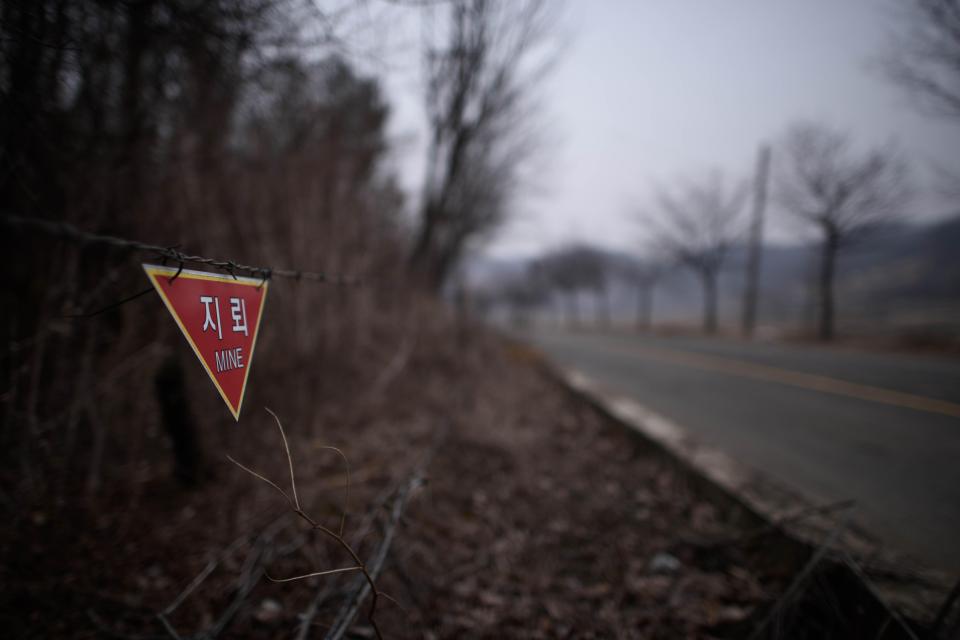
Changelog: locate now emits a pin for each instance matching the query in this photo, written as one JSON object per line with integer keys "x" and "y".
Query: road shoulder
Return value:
{"x": 908, "y": 587}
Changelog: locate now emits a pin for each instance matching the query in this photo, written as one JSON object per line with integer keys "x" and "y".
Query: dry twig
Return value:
{"x": 294, "y": 501}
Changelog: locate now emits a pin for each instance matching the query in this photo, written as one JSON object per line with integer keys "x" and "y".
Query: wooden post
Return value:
{"x": 178, "y": 422}
{"x": 755, "y": 248}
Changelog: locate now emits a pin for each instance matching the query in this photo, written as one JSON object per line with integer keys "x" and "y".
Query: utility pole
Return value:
{"x": 755, "y": 248}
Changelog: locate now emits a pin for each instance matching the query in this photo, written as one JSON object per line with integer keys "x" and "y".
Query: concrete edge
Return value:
{"x": 914, "y": 591}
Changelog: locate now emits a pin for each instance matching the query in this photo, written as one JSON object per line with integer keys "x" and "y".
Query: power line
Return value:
{"x": 67, "y": 231}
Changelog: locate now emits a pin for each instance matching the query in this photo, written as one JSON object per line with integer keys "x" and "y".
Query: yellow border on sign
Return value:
{"x": 154, "y": 271}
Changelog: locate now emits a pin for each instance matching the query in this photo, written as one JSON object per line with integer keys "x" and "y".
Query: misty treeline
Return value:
{"x": 239, "y": 129}
{"x": 820, "y": 180}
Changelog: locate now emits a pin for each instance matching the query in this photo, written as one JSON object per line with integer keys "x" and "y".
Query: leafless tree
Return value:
{"x": 924, "y": 59}
{"x": 596, "y": 273}
{"x": 695, "y": 224}
{"x": 479, "y": 108}
{"x": 562, "y": 279}
{"x": 522, "y": 294}
{"x": 571, "y": 270}
{"x": 642, "y": 275}
{"x": 842, "y": 192}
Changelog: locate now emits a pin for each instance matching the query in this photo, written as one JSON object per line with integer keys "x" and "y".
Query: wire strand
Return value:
{"x": 67, "y": 231}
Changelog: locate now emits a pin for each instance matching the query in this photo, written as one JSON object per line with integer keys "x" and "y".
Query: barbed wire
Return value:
{"x": 67, "y": 231}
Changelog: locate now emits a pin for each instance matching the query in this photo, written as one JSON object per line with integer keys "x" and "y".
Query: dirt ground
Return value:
{"x": 531, "y": 516}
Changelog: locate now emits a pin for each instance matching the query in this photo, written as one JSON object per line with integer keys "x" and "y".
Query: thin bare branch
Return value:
{"x": 346, "y": 493}
{"x": 923, "y": 55}
{"x": 314, "y": 574}
{"x": 168, "y": 627}
{"x": 337, "y": 537}
{"x": 393, "y": 600}
{"x": 286, "y": 447}
{"x": 267, "y": 480}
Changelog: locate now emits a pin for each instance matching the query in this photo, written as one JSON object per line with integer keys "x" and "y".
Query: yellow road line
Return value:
{"x": 808, "y": 381}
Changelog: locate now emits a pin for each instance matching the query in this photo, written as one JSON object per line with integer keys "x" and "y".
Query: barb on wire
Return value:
{"x": 68, "y": 231}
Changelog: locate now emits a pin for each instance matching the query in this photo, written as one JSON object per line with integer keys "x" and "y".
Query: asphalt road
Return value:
{"x": 882, "y": 429}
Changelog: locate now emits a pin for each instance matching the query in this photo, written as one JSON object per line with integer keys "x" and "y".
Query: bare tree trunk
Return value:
{"x": 445, "y": 262}
{"x": 421, "y": 256}
{"x": 644, "y": 307}
{"x": 603, "y": 308}
{"x": 828, "y": 262}
{"x": 709, "y": 279}
{"x": 178, "y": 422}
{"x": 573, "y": 310}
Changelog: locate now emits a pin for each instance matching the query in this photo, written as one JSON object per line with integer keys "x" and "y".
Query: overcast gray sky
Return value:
{"x": 648, "y": 90}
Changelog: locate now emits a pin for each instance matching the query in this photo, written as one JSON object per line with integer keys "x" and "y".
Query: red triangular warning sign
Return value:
{"x": 219, "y": 316}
